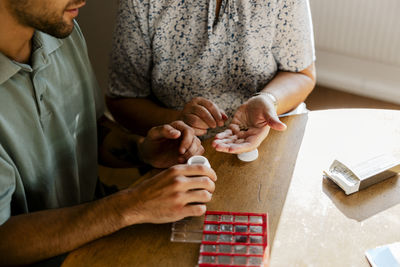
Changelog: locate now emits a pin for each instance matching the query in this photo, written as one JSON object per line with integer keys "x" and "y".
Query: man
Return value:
{"x": 48, "y": 151}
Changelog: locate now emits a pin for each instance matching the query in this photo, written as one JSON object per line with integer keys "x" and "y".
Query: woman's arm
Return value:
{"x": 139, "y": 115}
{"x": 291, "y": 88}
{"x": 252, "y": 121}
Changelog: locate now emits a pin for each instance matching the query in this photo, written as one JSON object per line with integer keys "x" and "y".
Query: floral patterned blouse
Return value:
{"x": 176, "y": 50}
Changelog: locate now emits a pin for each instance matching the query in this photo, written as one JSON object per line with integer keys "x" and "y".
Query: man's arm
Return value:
{"x": 164, "y": 145}
{"x": 40, "y": 235}
{"x": 163, "y": 198}
{"x": 166, "y": 197}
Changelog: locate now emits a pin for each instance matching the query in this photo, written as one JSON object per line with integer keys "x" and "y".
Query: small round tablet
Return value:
{"x": 248, "y": 156}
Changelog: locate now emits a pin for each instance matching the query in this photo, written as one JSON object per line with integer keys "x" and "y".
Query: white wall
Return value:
{"x": 358, "y": 44}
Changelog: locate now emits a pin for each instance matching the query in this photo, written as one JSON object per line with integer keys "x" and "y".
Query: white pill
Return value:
{"x": 248, "y": 156}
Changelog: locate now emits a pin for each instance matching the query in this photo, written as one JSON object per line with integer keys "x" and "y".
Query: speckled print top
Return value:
{"x": 179, "y": 49}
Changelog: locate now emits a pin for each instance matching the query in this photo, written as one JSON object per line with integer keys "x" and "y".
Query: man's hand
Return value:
{"x": 169, "y": 144}
{"x": 171, "y": 195}
{"x": 249, "y": 127}
{"x": 201, "y": 114}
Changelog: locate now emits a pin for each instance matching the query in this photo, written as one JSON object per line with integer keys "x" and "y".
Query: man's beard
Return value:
{"x": 52, "y": 24}
{"x": 58, "y": 29}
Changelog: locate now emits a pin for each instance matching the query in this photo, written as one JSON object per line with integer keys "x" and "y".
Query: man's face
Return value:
{"x": 53, "y": 17}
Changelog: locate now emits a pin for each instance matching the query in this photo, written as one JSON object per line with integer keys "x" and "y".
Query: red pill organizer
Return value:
{"x": 234, "y": 239}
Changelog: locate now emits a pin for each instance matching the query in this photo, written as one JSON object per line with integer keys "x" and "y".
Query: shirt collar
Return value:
{"x": 48, "y": 43}
{"x": 40, "y": 42}
{"x": 7, "y": 68}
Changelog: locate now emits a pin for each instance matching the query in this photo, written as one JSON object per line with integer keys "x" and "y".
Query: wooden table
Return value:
{"x": 312, "y": 222}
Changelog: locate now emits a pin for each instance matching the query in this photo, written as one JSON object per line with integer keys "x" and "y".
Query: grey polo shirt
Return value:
{"x": 48, "y": 114}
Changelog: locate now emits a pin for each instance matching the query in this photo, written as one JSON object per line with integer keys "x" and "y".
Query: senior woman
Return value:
{"x": 206, "y": 61}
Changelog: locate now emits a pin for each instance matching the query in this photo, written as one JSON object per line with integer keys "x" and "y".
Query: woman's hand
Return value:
{"x": 249, "y": 127}
{"x": 201, "y": 114}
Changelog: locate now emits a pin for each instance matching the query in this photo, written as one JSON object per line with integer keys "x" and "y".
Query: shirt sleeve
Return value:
{"x": 7, "y": 188}
{"x": 293, "y": 46}
{"x": 131, "y": 58}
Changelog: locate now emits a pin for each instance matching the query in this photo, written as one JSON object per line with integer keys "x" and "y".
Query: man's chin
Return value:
{"x": 61, "y": 32}
{"x": 66, "y": 33}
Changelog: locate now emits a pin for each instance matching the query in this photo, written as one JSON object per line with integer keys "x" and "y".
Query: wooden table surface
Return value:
{"x": 311, "y": 221}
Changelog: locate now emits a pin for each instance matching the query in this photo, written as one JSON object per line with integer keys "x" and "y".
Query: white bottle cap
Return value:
{"x": 248, "y": 156}
{"x": 200, "y": 160}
